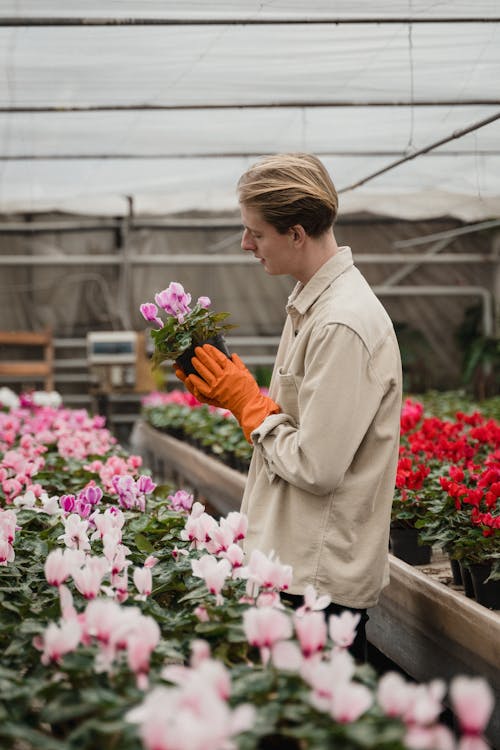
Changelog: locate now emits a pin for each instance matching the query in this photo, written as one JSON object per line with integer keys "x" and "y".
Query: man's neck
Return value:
{"x": 317, "y": 252}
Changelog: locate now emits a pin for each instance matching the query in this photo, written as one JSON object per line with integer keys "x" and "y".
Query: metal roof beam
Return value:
{"x": 208, "y": 259}
{"x": 255, "y": 20}
{"x": 450, "y": 233}
{"x": 231, "y": 155}
{"x": 419, "y": 152}
{"x": 63, "y": 108}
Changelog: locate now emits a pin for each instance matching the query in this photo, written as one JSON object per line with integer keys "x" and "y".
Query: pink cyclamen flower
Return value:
{"x": 265, "y": 626}
{"x": 342, "y": 628}
{"x": 204, "y": 302}
{"x": 394, "y": 694}
{"x": 109, "y": 522}
{"x": 143, "y": 581}
{"x": 75, "y": 536}
{"x": 311, "y": 631}
{"x": 238, "y": 522}
{"x": 174, "y": 300}
{"x": 12, "y": 488}
{"x": 469, "y": 742}
{"x": 267, "y": 598}
{"x": 60, "y": 563}
{"x": 8, "y": 525}
{"x": 36, "y": 489}
{"x": 189, "y": 716}
{"x": 140, "y": 645}
{"x": 7, "y": 554}
{"x": 472, "y": 701}
{"x": 221, "y": 537}
{"x": 213, "y": 571}
{"x": 181, "y": 500}
{"x": 67, "y": 503}
{"x": 235, "y": 556}
{"x": 326, "y": 676}
{"x": 203, "y": 670}
{"x": 286, "y": 655}
{"x": 426, "y": 703}
{"x": 58, "y": 640}
{"x": 68, "y": 611}
{"x": 149, "y": 312}
{"x": 200, "y": 651}
{"x": 91, "y": 494}
{"x": 82, "y": 508}
{"x": 88, "y": 579}
{"x": 198, "y": 526}
{"x": 313, "y": 602}
{"x": 26, "y": 501}
{"x": 126, "y": 489}
{"x": 102, "y": 617}
{"x": 116, "y": 555}
{"x": 349, "y": 701}
{"x": 145, "y": 484}
{"x": 266, "y": 571}
{"x": 201, "y": 614}
{"x": 120, "y": 585}
{"x": 435, "y": 737}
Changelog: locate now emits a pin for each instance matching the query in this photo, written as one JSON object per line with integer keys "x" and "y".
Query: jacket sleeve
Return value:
{"x": 338, "y": 398}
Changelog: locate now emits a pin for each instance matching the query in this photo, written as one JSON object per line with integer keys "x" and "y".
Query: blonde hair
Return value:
{"x": 291, "y": 189}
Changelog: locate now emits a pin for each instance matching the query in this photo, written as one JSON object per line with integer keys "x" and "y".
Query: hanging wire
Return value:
{"x": 456, "y": 134}
{"x": 476, "y": 164}
{"x": 409, "y": 145}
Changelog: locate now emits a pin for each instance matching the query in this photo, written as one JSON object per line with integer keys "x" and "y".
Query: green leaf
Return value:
{"x": 143, "y": 543}
{"x": 34, "y": 738}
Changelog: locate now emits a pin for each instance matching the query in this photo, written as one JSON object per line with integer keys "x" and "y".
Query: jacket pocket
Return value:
{"x": 288, "y": 395}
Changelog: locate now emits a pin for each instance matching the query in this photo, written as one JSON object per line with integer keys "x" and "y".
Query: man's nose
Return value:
{"x": 246, "y": 241}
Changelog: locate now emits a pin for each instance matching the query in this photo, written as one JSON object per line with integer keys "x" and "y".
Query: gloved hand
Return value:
{"x": 181, "y": 375}
{"x": 229, "y": 384}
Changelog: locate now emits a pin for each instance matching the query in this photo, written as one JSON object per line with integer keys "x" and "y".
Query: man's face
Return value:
{"x": 275, "y": 251}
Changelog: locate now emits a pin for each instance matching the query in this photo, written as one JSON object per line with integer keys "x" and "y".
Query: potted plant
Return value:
{"x": 463, "y": 520}
{"x": 184, "y": 327}
{"x": 408, "y": 507}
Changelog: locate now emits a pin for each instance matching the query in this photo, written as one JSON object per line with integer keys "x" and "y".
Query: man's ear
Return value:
{"x": 297, "y": 233}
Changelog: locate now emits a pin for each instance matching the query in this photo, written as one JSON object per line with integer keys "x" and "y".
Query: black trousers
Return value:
{"x": 359, "y": 648}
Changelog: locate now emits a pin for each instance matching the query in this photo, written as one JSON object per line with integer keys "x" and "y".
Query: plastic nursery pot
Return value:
{"x": 467, "y": 580}
{"x": 277, "y": 742}
{"x": 456, "y": 573}
{"x": 487, "y": 594}
{"x": 405, "y": 546}
{"x": 184, "y": 359}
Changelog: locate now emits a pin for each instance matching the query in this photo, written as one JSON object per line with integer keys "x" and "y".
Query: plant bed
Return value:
{"x": 423, "y": 622}
{"x": 128, "y": 620}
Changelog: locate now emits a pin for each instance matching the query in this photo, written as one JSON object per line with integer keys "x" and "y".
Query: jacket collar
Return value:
{"x": 302, "y": 297}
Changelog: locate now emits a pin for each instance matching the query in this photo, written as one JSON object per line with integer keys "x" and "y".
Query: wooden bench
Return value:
{"x": 39, "y": 370}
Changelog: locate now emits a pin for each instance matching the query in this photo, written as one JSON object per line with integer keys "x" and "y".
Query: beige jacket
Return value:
{"x": 321, "y": 480}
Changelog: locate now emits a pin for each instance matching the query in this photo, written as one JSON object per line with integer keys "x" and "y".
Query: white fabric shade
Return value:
{"x": 172, "y": 160}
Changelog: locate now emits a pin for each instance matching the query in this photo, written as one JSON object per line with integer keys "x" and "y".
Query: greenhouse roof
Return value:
{"x": 168, "y": 103}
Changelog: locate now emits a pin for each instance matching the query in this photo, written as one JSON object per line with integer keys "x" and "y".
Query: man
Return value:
{"x": 321, "y": 480}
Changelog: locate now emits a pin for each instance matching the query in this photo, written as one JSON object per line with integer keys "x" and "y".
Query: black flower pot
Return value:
{"x": 456, "y": 573}
{"x": 184, "y": 359}
{"x": 487, "y": 594}
{"x": 277, "y": 742}
{"x": 404, "y": 544}
{"x": 467, "y": 580}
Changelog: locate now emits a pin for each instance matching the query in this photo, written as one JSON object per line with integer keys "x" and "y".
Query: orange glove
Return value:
{"x": 193, "y": 389}
{"x": 231, "y": 385}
